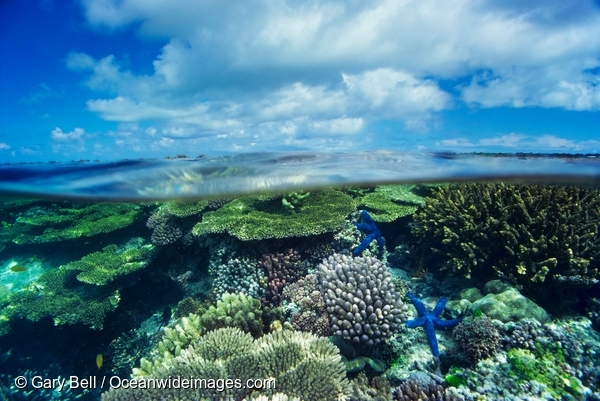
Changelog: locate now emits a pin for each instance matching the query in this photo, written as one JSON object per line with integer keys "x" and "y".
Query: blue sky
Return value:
{"x": 113, "y": 79}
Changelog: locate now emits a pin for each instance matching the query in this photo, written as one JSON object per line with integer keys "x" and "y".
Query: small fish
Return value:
{"x": 99, "y": 360}
{"x": 18, "y": 268}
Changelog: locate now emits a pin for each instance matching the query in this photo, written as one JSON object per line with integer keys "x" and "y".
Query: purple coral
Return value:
{"x": 280, "y": 269}
{"x": 311, "y": 314}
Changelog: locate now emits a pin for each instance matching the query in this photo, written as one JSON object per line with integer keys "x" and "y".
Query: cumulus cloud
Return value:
{"x": 303, "y": 69}
{"x": 58, "y": 135}
{"x": 4, "y": 146}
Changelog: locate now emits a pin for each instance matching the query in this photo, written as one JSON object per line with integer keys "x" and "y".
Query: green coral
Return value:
{"x": 54, "y": 296}
{"x": 524, "y": 233}
{"x": 235, "y": 310}
{"x": 102, "y": 267}
{"x": 301, "y": 365}
{"x": 258, "y": 218}
{"x": 546, "y": 365}
{"x": 54, "y": 222}
{"x": 185, "y": 209}
{"x": 391, "y": 202}
{"x": 232, "y": 310}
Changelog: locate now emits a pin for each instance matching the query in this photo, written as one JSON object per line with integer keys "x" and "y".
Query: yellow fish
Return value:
{"x": 18, "y": 268}
{"x": 99, "y": 360}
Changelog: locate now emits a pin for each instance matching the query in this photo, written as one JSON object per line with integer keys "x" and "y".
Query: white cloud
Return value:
{"x": 58, "y": 135}
{"x": 4, "y": 146}
{"x": 304, "y": 69}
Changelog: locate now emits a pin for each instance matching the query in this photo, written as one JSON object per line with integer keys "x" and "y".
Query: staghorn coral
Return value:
{"x": 361, "y": 300}
{"x": 258, "y": 218}
{"x": 477, "y": 337}
{"x": 523, "y": 233}
{"x": 303, "y": 366}
{"x": 280, "y": 269}
{"x": 59, "y": 221}
{"x": 100, "y": 268}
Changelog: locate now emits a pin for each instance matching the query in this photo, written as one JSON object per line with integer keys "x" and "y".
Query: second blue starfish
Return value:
{"x": 430, "y": 320}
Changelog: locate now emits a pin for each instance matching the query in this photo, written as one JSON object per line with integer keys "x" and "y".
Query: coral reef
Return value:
{"x": 362, "y": 303}
{"x": 256, "y": 218}
{"x": 184, "y": 209}
{"x": 302, "y": 364}
{"x": 526, "y": 234}
{"x": 100, "y": 268}
{"x": 59, "y": 221}
{"x": 280, "y": 269}
{"x": 477, "y": 337}
{"x": 391, "y": 202}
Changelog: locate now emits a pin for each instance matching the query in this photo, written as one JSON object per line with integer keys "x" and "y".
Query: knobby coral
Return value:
{"x": 361, "y": 300}
{"x": 477, "y": 337}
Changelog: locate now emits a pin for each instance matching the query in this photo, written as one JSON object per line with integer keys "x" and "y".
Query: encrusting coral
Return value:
{"x": 258, "y": 218}
{"x": 303, "y": 366}
{"x": 361, "y": 300}
{"x": 523, "y": 233}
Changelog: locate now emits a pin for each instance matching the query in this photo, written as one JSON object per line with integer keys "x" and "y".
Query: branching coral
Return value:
{"x": 100, "y": 268}
{"x": 524, "y": 233}
{"x": 302, "y": 365}
{"x": 59, "y": 222}
{"x": 256, "y": 218}
{"x": 361, "y": 300}
{"x": 165, "y": 228}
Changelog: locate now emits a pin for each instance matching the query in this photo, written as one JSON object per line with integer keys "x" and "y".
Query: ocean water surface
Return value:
{"x": 302, "y": 276}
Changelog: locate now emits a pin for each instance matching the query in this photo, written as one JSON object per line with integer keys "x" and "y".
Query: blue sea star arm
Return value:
{"x": 421, "y": 310}
{"x": 367, "y": 218}
{"x": 363, "y": 245}
{"x": 447, "y": 324}
{"x": 411, "y": 324}
{"x": 439, "y": 307}
{"x": 433, "y": 344}
{"x": 368, "y": 227}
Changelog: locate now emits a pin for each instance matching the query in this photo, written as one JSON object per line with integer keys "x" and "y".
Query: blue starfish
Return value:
{"x": 430, "y": 319}
{"x": 373, "y": 233}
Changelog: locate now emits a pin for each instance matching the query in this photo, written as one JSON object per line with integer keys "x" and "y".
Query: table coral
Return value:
{"x": 65, "y": 220}
{"x": 256, "y": 218}
{"x": 112, "y": 262}
{"x": 54, "y": 296}
{"x": 391, "y": 202}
